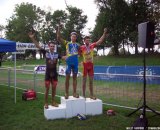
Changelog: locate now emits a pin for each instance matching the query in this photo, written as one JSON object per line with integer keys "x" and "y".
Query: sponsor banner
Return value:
{"x": 61, "y": 70}
{"x": 19, "y": 52}
{"x": 29, "y": 46}
{"x": 127, "y": 74}
{"x": 40, "y": 69}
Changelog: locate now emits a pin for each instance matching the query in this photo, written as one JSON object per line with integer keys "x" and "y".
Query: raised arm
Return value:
{"x": 59, "y": 38}
{"x": 32, "y": 37}
{"x": 101, "y": 40}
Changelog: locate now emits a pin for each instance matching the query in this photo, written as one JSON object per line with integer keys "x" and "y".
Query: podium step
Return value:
{"x": 93, "y": 107}
{"x": 74, "y": 106}
{"x": 71, "y": 107}
{"x": 55, "y": 112}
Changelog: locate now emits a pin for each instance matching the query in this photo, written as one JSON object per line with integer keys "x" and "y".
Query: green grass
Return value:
{"x": 119, "y": 93}
{"x": 29, "y": 115}
{"x": 100, "y": 60}
{"x": 25, "y": 115}
{"x": 126, "y": 60}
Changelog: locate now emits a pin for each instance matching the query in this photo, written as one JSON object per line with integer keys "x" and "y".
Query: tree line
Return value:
{"x": 121, "y": 18}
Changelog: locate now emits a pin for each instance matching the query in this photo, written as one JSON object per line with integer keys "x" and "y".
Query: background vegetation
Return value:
{"x": 121, "y": 17}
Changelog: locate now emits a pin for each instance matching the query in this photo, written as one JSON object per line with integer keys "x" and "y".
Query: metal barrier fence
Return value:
{"x": 117, "y": 92}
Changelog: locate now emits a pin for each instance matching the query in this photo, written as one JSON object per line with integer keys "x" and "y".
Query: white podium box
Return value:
{"x": 55, "y": 112}
{"x": 93, "y": 107}
{"x": 73, "y": 106}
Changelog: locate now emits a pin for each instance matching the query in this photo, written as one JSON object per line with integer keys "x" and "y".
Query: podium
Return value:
{"x": 72, "y": 106}
{"x": 55, "y": 112}
{"x": 93, "y": 107}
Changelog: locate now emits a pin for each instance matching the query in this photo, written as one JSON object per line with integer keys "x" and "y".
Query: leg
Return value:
{"x": 84, "y": 86}
{"x": 67, "y": 86}
{"x": 54, "y": 86}
{"x": 75, "y": 86}
{"x": 91, "y": 88}
{"x": 91, "y": 75}
{"x": 47, "y": 85}
{"x": 75, "y": 72}
{"x": 84, "y": 79}
{"x": 68, "y": 72}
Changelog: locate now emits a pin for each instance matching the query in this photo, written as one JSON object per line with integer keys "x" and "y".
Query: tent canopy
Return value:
{"x": 7, "y": 46}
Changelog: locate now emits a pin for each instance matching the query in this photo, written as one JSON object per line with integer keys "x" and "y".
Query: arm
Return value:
{"x": 102, "y": 37}
{"x": 32, "y": 35}
{"x": 59, "y": 38}
{"x": 80, "y": 51}
{"x": 64, "y": 57}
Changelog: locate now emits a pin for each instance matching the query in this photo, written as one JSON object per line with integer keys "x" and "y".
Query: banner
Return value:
{"x": 29, "y": 46}
{"x": 40, "y": 69}
{"x": 62, "y": 70}
{"x": 19, "y": 52}
{"x": 127, "y": 73}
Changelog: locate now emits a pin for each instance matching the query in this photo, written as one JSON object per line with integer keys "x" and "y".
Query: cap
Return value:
{"x": 73, "y": 33}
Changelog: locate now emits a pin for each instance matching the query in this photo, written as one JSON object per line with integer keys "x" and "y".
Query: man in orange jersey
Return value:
{"x": 87, "y": 53}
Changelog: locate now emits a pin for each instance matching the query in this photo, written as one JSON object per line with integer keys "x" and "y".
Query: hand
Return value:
{"x": 31, "y": 35}
{"x": 64, "y": 57}
{"x": 105, "y": 30}
{"x": 60, "y": 26}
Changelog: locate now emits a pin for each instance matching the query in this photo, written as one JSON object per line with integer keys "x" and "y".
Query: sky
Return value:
{"x": 88, "y": 7}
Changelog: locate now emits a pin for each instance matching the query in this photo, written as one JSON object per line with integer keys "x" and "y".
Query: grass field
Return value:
{"x": 119, "y": 93}
{"x": 101, "y": 60}
{"x": 25, "y": 115}
{"x": 29, "y": 115}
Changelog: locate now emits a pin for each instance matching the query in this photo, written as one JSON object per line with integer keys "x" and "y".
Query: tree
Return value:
{"x": 154, "y": 14}
{"x": 48, "y": 31}
{"x": 123, "y": 23}
{"x": 1, "y": 30}
{"x": 115, "y": 19}
{"x": 75, "y": 22}
{"x": 1, "y": 53}
{"x": 26, "y": 16}
{"x": 1, "y": 57}
{"x": 98, "y": 30}
{"x": 139, "y": 10}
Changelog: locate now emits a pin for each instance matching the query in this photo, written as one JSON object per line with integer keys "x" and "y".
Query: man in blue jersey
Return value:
{"x": 72, "y": 48}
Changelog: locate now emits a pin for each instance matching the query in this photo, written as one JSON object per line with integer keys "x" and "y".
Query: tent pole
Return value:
{"x": 15, "y": 77}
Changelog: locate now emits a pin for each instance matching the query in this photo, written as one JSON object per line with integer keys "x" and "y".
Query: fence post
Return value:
{"x": 9, "y": 77}
{"x": 35, "y": 75}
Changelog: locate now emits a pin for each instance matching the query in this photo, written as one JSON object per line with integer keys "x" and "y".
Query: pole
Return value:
{"x": 144, "y": 84}
{"x": 15, "y": 77}
{"x": 9, "y": 79}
